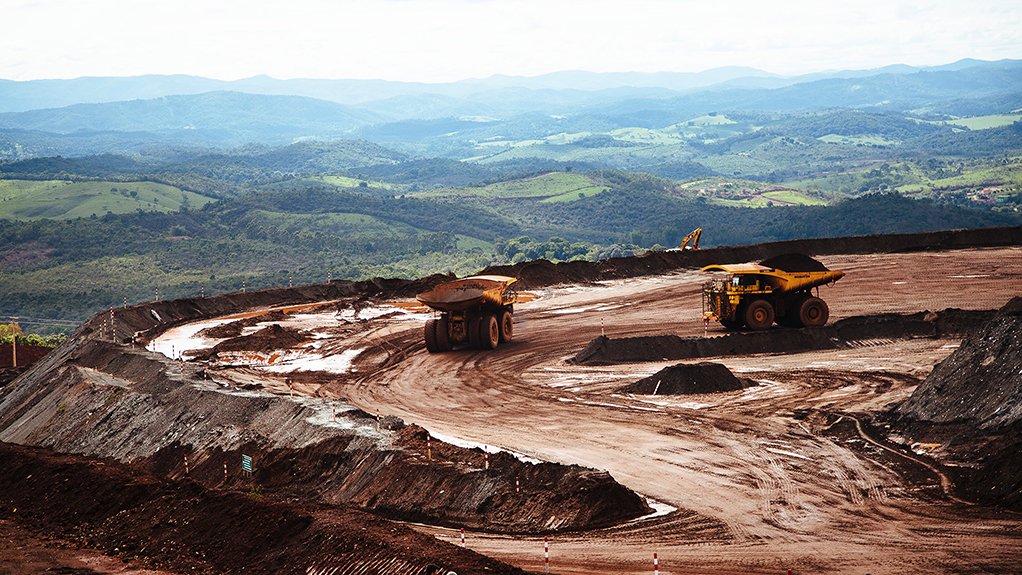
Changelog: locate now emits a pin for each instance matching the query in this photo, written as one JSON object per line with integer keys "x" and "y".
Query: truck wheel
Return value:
{"x": 814, "y": 312}
{"x": 489, "y": 332}
{"x": 759, "y": 315}
{"x": 429, "y": 332}
{"x": 507, "y": 326}
{"x": 443, "y": 338}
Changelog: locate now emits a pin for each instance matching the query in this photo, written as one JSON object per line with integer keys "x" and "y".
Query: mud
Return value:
{"x": 687, "y": 379}
{"x": 843, "y": 333}
{"x": 970, "y": 409}
{"x": 182, "y": 526}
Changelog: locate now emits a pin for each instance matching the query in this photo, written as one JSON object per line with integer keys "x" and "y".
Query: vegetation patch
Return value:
{"x": 987, "y": 122}
{"x": 61, "y": 199}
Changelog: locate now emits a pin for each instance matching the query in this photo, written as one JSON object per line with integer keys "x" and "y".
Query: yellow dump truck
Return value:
{"x": 778, "y": 289}
{"x": 477, "y": 311}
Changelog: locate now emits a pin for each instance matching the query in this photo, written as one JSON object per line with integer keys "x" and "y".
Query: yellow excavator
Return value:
{"x": 693, "y": 238}
{"x": 778, "y": 289}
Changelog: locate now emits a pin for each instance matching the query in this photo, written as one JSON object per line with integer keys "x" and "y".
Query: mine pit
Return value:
{"x": 847, "y": 448}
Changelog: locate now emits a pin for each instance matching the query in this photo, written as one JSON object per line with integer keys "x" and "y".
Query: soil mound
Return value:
{"x": 543, "y": 273}
{"x": 185, "y": 527}
{"x": 270, "y": 338}
{"x": 794, "y": 263}
{"x": 844, "y": 333}
{"x": 234, "y": 328}
{"x": 971, "y": 404}
{"x": 684, "y": 379}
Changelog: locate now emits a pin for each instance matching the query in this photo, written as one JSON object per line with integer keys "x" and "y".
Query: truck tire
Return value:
{"x": 507, "y": 326}
{"x": 443, "y": 338}
{"x": 759, "y": 315}
{"x": 814, "y": 312}
{"x": 489, "y": 332}
{"x": 429, "y": 333}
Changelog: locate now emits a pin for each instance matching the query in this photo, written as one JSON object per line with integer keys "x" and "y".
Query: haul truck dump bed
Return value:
{"x": 477, "y": 311}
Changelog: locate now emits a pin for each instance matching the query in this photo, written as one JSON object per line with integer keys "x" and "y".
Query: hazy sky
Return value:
{"x": 443, "y": 40}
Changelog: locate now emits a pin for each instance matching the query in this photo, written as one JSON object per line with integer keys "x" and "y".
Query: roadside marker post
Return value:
{"x": 462, "y": 536}
{"x": 656, "y": 565}
{"x": 328, "y": 280}
{"x": 157, "y": 294}
{"x": 290, "y": 277}
{"x": 486, "y": 461}
{"x": 202, "y": 292}
{"x": 546, "y": 554}
{"x": 225, "y": 472}
{"x": 518, "y": 485}
{"x": 125, "y": 301}
{"x": 186, "y": 464}
{"x": 429, "y": 448}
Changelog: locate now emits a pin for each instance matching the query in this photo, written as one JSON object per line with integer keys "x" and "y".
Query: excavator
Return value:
{"x": 693, "y": 238}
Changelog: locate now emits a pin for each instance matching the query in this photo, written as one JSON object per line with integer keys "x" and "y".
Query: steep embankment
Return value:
{"x": 180, "y": 525}
{"x": 971, "y": 405}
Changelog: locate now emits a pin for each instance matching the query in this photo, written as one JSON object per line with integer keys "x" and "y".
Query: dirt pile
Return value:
{"x": 541, "y": 273}
{"x": 971, "y": 404}
{"x": 844, "y": 333}
{"x": 794, "y": 263}
{"x": 688, "y": 378}
{"x": 234, "y": 328}
{"x": 267, "y": 339}
{"x": 182, "y": 526}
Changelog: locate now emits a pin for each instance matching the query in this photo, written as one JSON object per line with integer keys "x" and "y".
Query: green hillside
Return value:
{"x": 61, "y": 199}
{"x": 551, "y": 187}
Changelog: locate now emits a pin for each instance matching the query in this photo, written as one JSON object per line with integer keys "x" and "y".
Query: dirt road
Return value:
{"x": 759, "y": 486}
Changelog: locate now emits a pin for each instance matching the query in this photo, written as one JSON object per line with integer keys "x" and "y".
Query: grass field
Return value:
{"x": 57, "y": 199}
{"x": 865, "y": 139}
{"x": 987, "y": 122}
{"x": 550, "y": 188}
{"x": 346, "y": 182}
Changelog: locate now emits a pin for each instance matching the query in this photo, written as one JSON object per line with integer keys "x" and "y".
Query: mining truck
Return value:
{"x": 476, "y": 311}
{"x": 779, "y": 289}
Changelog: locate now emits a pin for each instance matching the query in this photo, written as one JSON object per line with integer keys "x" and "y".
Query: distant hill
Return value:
{"x": 221, "y": 118}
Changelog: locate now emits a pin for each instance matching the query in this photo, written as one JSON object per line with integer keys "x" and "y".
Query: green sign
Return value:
{"x": 246, "y": 463}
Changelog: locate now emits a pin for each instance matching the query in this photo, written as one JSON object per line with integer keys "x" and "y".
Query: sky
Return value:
{"x": 449, "y": 40}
